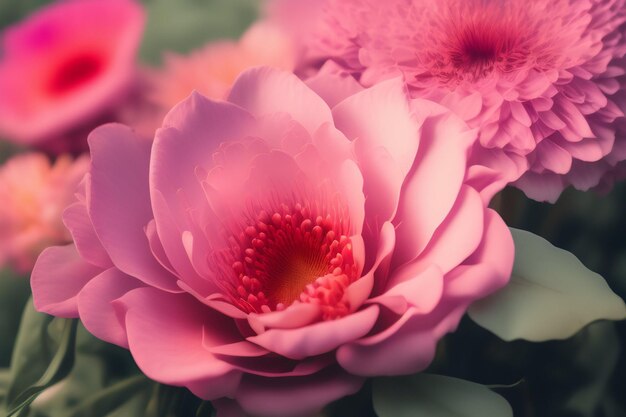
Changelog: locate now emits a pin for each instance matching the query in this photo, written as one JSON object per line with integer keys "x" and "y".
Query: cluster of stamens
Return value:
{"x": 293, "y": 254}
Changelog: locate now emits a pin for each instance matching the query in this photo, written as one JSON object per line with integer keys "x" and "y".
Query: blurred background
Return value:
{"x": 584, "y": 376}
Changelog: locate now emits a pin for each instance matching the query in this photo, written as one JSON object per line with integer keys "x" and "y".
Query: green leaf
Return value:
{"x": 427, "y": 395}
{"x": 184, "y": 25}
{"x": 552, "y": 295}
{"x": 43, "y": 355}
{"x": 116, "y": 400}
{"x": 14, "y": 293}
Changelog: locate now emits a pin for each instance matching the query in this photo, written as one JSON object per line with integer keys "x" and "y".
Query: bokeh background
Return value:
{"x": 584, "y": 376}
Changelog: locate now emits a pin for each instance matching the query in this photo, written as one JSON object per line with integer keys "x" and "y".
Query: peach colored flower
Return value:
{"x": 66, "y": 64}
{"x": 271, "y": 252}
{"x": 210, "y": 70}
{"x": 34, "y": 193}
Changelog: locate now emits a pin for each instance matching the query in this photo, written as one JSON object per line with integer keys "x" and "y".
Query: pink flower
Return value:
{"x": 273, "y": 251}
{"x": 544, "y": 81}
{"x": 210, "y": 70}
{"x": 34, "y": 193}
{"x": 65, "y": 65}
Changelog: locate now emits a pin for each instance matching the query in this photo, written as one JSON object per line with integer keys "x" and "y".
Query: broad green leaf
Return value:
{"x": 427, "y": 395}
{"x": 43, "y": 355}
{"x": 552, "y": 295}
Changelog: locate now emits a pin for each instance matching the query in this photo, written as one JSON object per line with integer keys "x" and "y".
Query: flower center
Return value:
{"x": 294, "y": 254}
{"x": 75, "y": 72}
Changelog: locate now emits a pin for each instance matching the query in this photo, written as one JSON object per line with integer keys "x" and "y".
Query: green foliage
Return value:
{"x": 427, "y": 395}
{"x": 183, "y": 25}
{"x": 14, "y": 292}
{"x": 41, "y": 357}
{"x": 552, "y": 295}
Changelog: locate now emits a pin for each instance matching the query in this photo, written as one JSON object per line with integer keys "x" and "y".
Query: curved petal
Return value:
{"x": 192, "y": 131}
{"x": 422, "y": 292}
{"x": 318, "y": 338}
{"x": 408, "y": 346}
{"x": 167, "y": 335}
{"x": 265, "y": 91}
{"x": 489, "y": 268}
{"x": 77, "y": 221}
{"x": 432, "y": 187}
{"x": 456, "y": 239}
{"x": 95, "y": 308}
{"x": 119, "y": 203}
{"x": 58, "y": 276}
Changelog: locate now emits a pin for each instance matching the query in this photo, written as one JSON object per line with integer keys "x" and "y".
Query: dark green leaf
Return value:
{"x": 14, "y": 293}
{"x": 43, "y": 355}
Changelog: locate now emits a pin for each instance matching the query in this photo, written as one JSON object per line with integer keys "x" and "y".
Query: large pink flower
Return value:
{"x": 65, "y": 64}
{"x": 543, "y": 80}
{"x": 34, "y": 193}
{"x": 276, "y": 252}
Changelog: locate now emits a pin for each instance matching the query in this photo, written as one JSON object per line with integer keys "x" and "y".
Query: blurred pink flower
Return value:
{"x": 65, "y": 65}
{"x": 543, "y": 80}
{"x": 274, "y": 251}
{"x": 34, "y": 193}
{"x": 210, "y": 70}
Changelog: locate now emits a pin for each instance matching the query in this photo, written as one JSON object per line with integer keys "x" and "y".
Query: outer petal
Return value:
{"x": 432, "y": 188}
{"x": 489, "y": 268}
{"x": 119, "y": 203}
{"x": 408, "y": 346}
{"x": 77, "y": 221}
{"x": 95, "y": 308}
{"x": 59, "y": 275}
{"x": 165, "y": 335}
{"x": 317, "y": 338}
{"x": 265, "y": 91}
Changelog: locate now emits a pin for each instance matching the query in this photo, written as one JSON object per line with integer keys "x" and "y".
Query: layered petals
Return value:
{"x": 542, "y": 83}
{"x": 280, "y": 245}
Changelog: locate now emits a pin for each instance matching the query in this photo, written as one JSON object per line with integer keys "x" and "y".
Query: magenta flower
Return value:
{"x": 65, "y": 64}
{"x": 273, "y": 251}
{"x": 34, "y": 193}
{"x": 544, "y": 81}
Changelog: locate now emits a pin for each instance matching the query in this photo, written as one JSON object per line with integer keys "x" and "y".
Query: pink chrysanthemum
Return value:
{"x": 34, "y": 193}
{"x": 543, "y": 80}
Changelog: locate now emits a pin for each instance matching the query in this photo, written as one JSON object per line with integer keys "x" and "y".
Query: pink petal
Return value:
{"x": 408, "y": 346}
{"x": 457, "y": 238}
{"x": 119, "y": 203}
{"x": 165, "y": 336}
{"x": 95, "y": 308}
{"x": 489, "y": 267}
{"x": 433, "y": 186}
{"x": 422, "y": 292}
{"x": 77, "y": 221}
{"x": 333, "y": 84}
{"x": 265, "y": 91}
{"x": 58, "y": 276}
{"x": 318, "y": 338}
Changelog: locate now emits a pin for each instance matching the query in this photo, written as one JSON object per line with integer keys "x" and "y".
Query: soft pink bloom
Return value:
{"x": 275, "y": 251}
{"x": 543, "y": 80}
{"x": 210, "y": 70}
{"x": 34, "y": 193}
{"x": 65, "y": 65}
